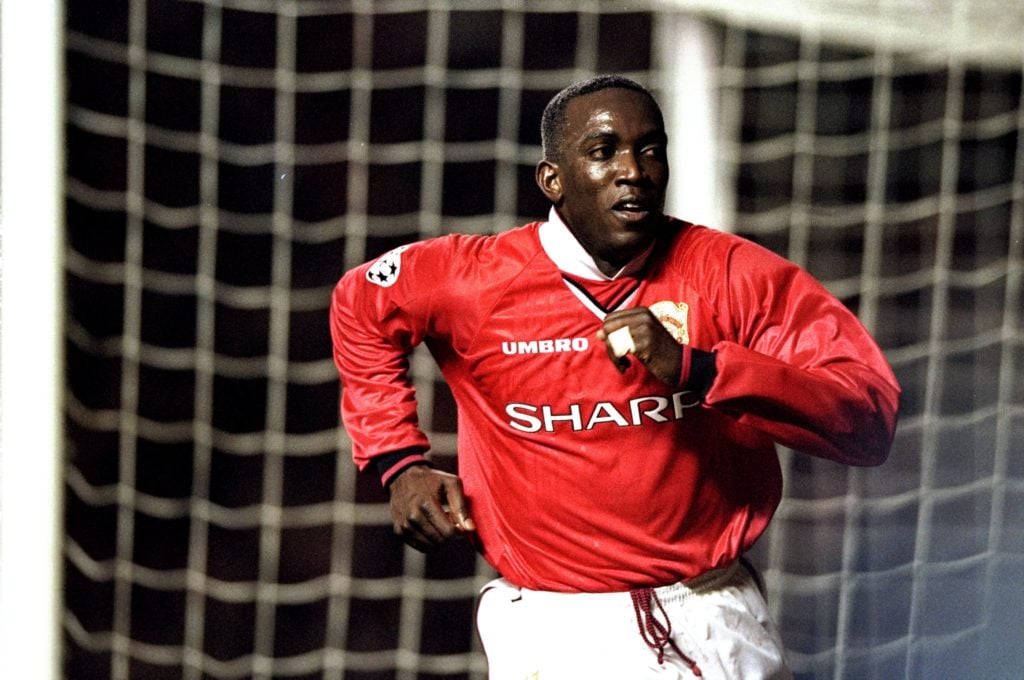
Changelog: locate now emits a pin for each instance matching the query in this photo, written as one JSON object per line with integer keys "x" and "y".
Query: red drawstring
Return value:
{"x": 655, "y": 633}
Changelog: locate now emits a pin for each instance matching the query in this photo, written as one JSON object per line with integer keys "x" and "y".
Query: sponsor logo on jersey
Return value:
{"x": 548, "y": 346}
{"x": 673, "y": 316}
{"x": 655, "y": 408}
{"x": 384, "y": 272}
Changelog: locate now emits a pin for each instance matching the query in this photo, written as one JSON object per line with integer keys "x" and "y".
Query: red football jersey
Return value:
{"x": 580, "y": 478}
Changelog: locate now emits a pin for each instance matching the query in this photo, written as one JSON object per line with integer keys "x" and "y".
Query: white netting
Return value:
{"x": 228, "y": 160}
{"x": 976, "y": 31}
{"x": 897, "y": 181}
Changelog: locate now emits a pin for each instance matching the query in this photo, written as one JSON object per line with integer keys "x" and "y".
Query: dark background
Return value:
{"x": 227, "y": 163}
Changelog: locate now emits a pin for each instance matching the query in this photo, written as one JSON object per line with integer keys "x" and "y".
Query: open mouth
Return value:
{"x": 631, "y": 210}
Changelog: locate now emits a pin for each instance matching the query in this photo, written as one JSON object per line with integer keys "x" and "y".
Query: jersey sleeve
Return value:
{"x": 379, "y": 312}
{"x": 802, "y": 369}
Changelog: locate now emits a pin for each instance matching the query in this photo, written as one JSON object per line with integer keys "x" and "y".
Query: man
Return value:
{"x": 620, "y": 377}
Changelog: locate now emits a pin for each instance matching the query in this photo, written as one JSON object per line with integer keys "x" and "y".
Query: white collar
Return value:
{"x": 572, "y": 258}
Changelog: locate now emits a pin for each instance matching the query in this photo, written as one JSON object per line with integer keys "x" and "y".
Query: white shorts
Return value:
{"x": 719, "y": 625}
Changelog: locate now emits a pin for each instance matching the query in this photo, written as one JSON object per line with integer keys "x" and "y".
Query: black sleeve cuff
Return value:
{"x": 390, "y": 465}
{"x": 702, "y": 372}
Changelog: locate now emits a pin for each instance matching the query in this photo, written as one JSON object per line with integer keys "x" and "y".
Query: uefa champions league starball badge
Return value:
{"x": 384, "y": 272}
{"x": 672, "y": 316}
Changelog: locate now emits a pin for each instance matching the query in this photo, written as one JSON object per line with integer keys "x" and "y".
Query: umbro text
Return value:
{"x": 545, "y": 346}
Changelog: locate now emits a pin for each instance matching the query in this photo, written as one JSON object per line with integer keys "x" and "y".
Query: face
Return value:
{"x": 609, "y": 185}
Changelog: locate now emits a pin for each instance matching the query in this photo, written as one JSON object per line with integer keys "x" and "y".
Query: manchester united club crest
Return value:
{"x": 672, "y": 316}
{"x": 384, "y": 272}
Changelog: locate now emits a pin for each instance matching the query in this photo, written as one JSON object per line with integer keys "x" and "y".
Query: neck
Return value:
{"x": 610, "y": 267}
{"x": 588, "y": 259}
{"x": 612, "y": 264}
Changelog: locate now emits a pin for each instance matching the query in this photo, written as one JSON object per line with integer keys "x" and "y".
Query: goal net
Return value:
{"x": 228, "y": 160}
{"x": 897, "y": 180}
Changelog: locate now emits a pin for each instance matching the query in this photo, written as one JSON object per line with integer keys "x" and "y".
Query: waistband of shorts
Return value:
{"x": 707, "y": 582}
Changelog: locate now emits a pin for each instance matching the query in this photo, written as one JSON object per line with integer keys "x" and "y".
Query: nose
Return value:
{"x": 630, "y": 168}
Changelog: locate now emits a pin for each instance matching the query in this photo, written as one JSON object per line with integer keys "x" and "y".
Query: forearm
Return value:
{"x": 844, "y": 411}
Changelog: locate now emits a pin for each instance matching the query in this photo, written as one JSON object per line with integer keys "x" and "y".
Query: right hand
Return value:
{"x": 428, "y": 507}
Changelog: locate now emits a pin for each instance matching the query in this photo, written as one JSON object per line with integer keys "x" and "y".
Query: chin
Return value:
{"x": 633, "y": 243}
{"x": 643, "y": 230}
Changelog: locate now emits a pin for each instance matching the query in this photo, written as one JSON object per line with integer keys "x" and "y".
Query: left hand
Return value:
{"x": 654, "y": 347}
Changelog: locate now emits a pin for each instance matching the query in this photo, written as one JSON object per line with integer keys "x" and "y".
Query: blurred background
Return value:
{"x": 225, "y": 161}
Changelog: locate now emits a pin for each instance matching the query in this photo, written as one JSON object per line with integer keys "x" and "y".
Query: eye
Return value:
{"x": 601, "y": 153}
{"x": 656, "y": 151}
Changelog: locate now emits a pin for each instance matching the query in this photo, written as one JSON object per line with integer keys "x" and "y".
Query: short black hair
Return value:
{"x": 552, "y": 122}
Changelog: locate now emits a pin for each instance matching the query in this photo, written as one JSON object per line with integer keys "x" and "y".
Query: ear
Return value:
{"x": 549, "y": 180}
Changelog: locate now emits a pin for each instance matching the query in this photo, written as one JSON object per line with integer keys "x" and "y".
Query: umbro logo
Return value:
{"x": 384, "y": 272}
{"x": 545, "y": 346}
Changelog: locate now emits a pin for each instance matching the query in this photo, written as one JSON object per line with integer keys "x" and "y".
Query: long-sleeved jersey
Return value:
{"x": 580, "y": 478}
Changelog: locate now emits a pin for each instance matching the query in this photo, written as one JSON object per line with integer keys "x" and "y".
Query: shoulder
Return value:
{"x": 700, "y": 250}
{"x": 517, "y": 241}
{"x": 454, "y": 257}
{"x": 514, "y": 244}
